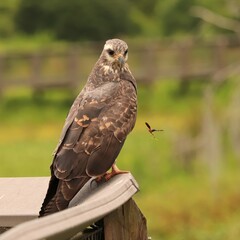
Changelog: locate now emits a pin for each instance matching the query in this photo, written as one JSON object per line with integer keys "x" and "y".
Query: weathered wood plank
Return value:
{"x": 126, "y": 222}
{"x": 20, "y": 199}
{"x": 94, "y": 201}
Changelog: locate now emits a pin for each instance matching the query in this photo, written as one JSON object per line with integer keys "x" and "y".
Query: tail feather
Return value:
{"x": 52, "y": 188}
{"x": 60, "y": 193}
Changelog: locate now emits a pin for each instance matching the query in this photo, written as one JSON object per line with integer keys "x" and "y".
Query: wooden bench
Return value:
{"x": 21, "y": 198}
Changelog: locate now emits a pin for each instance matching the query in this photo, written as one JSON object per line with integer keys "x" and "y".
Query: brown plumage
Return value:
{"x": 100, "y": 119}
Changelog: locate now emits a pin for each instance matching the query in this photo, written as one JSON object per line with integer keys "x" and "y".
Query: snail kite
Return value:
{"x": 101, "y": 117}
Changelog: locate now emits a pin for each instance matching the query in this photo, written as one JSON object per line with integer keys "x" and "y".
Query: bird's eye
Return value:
{"x": 110, "y": 52}
{"x": 125, "y": 53}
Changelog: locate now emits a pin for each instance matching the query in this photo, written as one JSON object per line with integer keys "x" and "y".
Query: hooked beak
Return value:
{"x": 120, "y": 60}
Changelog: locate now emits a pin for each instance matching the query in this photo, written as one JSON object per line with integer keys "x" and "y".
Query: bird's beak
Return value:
{"x": 121, "y": 60}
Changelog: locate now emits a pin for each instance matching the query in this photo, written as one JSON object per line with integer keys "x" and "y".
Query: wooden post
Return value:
{"x": 184, "y": 54}
{"x": 126, "y": 222}
{"x": 72, "y": 68}
{"x": 1, "y": 76}
{"x": 35, "y": 79}
{"x": 149, "y": 63}
{"x": 219, "y": 58}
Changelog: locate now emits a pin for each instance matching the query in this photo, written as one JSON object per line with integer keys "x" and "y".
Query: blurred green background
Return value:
{"x": 185, "y": 57}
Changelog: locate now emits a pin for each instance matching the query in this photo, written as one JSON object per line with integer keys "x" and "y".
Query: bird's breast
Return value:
{"x": 104, "y": 91}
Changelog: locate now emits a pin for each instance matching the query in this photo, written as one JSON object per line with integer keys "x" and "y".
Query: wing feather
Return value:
{"x": 92, "y": 137}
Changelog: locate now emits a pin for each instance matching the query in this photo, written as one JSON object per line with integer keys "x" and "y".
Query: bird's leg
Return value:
{"x": 115, "y": 171}
{"x": 100, "y": 178}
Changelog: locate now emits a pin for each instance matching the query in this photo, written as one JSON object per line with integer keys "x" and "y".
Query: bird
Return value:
{"x": 96, "y": 127}
{"x": 152, "y": 130}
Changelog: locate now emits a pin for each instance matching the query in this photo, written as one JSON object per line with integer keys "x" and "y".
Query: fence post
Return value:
{"x": 184, "y": 55}
{"x": 72, "y": 67}
{"x": 36, "y": 62}
{"x": 1, "y": 75}
{"x": 126, "y": 222}
{"x": 149, "y": 62}
{"x": 219, "y": 55}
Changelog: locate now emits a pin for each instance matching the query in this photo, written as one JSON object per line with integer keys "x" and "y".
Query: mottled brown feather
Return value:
{"x": 95, "y": 129}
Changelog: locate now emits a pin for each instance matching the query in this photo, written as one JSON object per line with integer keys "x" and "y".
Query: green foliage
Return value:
{"x": 98, "y": 20}
{"x": 145, "y": 23}
{"x": 178, "y": 203}
{"x": 225, "y": 8}
{"x": 174, "y": 17}
{"x": 7, "y": 11}
{"x": 145, "y": 6}
{"x": 75, "y": 20}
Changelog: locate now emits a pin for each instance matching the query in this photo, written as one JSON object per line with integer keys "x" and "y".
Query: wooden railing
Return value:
{"x": 149, "y": 61}
{"x": 110, "y": 201}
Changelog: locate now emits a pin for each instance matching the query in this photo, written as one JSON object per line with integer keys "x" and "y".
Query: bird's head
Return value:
{"x": 115, "y": 53}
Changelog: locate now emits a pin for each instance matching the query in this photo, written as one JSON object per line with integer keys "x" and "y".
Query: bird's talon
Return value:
{"x": 108, "y": 176}
{"x": 100, "y": 178}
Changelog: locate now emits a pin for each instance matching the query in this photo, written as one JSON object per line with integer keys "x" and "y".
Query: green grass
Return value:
{"x": 179, "y": 202}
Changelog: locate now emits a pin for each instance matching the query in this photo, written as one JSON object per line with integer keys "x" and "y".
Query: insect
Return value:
{"x": 152, "y": 130}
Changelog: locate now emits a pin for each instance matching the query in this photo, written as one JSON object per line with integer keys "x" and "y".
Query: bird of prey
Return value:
{"x": 101, "y": 117}
{"x": 152, "y": 130}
